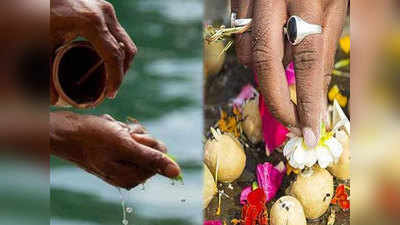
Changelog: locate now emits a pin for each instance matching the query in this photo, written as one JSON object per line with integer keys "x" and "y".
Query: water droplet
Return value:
{"x": 142, "y": 187}
{"x": 129, "y": 210}
{"x": 124, "y": 209}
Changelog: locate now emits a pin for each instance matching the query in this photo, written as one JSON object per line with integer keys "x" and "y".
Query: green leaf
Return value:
{"x": 180, "y": 176}
{"x": 342, "y": 63}
{"x": 254, "y": 185}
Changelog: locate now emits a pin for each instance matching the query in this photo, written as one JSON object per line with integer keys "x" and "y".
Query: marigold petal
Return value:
{"x": 345, "y": 44}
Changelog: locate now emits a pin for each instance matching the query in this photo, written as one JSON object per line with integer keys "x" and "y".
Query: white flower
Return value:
{"x": 328, "y": 149}
{"x": 325, "y": 153}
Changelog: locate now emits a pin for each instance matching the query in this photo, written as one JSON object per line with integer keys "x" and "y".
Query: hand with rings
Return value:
{"x": 96, "y": 21}
{"x": 303, "y": 31}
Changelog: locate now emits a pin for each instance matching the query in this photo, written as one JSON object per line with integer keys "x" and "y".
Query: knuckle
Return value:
{"x": 262, "y": 63}
{"x": 304, "y": 60}
{"x": 162, "y": 146}
{"x": 115, "y": 55}
{"x": 244, "y": 59}
{"x": 92, "y": 18}
{"x": 305, "y": 106}
{"x": 263, "y": 55}
{"x": 157, "y": 161}
{"x": 262, "y": 51}
{"x": 108, "y": 7}
{"x": 132, "y": 50}
{"x": 107, "y": 117}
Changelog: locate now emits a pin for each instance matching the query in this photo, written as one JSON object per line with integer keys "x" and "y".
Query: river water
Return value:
{"x": 163, "y": 90}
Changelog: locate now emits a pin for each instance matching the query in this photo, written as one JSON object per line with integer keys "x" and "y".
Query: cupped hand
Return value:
{"x": 267, "y": 51}
{"x": 120, "y": 154}
{"x": 96, "y": 21}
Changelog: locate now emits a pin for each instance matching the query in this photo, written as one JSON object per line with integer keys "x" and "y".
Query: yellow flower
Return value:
{"x": 236, "y": 221}
{"x": 230, "y": 124}
{"x": 334, "y": 93}
{"x": 345, "y": 44}
{"x": 290, "y": 169}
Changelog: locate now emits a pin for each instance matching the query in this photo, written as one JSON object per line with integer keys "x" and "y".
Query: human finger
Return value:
{"x": 307, "y": 57}
{"x": 268, "y": 53}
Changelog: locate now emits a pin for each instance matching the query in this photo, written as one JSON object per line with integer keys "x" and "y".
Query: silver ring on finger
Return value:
{"x": 239, "y": 22}
{"x": 297, "y": 29}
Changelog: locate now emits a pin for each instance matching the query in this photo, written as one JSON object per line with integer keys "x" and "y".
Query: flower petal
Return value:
{"x": 293, "y": 164}
{"x": 311, "y": 157}
{"x": 273, "y": 131}
{"x": 256, "y": 197}
{"x": 243, "y": 195}
{"x": 335, "y": 147}
{"x": 345, "y": 44}
{"x": 246, "y": 93}
{"x": 300, "y": 156}
{"x": 290, "y": 74}
{"x": 324, "y": 156}
{"x": 270, "y": 178}
{"x": 290, "y": 146}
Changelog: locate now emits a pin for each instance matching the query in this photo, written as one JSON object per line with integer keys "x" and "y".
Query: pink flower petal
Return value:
{"x": 273, "y": 131}
{"x": 270, "y": 178}
{"x": 212, "y": 222}
{"x": 247, "y": 92}
{"x": 290, "y": 75}
{"x": 243, "y": 196}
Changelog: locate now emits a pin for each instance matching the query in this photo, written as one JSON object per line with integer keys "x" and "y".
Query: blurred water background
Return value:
{"x": 163, "y": 90}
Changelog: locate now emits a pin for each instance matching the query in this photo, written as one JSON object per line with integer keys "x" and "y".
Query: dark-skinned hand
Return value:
{"x": 267, "y": 51}
{"x": 96, "y": 21}
{"x": 120, "y": 154}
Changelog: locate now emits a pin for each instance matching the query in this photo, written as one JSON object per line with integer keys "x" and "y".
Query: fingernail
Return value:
{"x": 309, "y": 137}
{"x": 171, "y": 170}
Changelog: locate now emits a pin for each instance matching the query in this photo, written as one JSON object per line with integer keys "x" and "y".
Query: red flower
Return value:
{"x": 257, "y": 197}
{"x": 255, "y": 210}
{"x": 341, "y": 198}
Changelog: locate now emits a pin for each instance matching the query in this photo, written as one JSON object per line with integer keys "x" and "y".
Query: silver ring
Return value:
{"x": 297, "y": 29}
{"x": 239, "y": 22}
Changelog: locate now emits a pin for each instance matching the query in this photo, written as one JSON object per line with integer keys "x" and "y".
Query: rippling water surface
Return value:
{"x": 163, "y": 91}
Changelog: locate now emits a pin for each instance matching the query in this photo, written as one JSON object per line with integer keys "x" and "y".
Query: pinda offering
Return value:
{"x": 287, "y": 211}
{"x": 252, "y": 125}
{"x": 341, "y": 169}
{"x": 224, "y": 156}
{"x": 314, "y": 190}
{"x": 210, "y": 188}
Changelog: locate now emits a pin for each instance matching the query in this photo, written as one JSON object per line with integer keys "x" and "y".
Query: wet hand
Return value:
{"x": 96, "y": 21}
{"x": 267, "y": 51}
{"x": 120, "y": 154}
